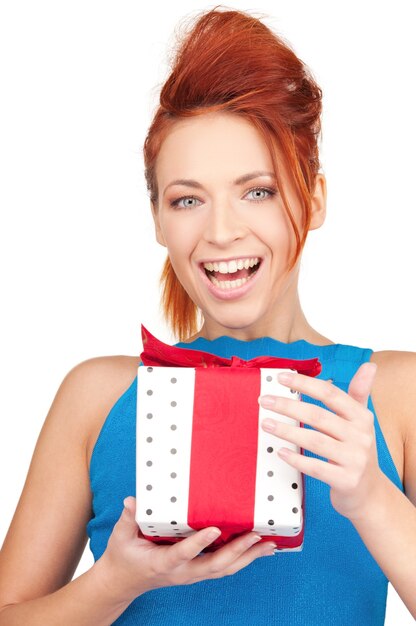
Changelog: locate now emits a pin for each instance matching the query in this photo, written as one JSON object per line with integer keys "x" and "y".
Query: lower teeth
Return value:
{"x": 230, "y": 284}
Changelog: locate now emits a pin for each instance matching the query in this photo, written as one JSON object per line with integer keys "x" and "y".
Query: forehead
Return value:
{"x": 218, "y": 145}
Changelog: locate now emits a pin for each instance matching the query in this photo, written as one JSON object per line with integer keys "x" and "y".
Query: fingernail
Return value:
{"x": 268, "y": 424}
{"x": 266, "y": 401}
{"x": 213, "y": 534}
{"x": 272, "y": 549}
{"x": 285, "y": 377}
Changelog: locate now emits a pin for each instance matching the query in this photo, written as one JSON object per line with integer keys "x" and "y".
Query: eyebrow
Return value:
{"x": 239, "y": 181}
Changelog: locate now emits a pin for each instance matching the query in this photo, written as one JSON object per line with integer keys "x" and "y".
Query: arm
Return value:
{"x": 84, "y": 601}
{"x": 388, "y": 527}
{"x": 47, "y": 535}
{"x": 344, "y": 434}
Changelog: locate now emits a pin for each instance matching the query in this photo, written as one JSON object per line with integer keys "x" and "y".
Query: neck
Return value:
{"x": 287, "y": 323}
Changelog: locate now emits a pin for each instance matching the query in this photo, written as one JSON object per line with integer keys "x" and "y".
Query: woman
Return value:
{"x": 232, "y": 169}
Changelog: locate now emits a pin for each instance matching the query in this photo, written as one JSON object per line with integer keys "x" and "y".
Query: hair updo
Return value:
{"x": 229, "y": 61}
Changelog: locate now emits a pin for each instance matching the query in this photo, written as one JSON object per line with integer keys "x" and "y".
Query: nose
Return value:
{"x": 223, "y": 225}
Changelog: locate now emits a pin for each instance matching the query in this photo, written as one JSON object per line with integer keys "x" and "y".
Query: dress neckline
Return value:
{"x": 257, "y": 340}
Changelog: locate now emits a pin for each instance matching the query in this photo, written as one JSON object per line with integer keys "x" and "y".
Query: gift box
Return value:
{"x": 202, "y": 458}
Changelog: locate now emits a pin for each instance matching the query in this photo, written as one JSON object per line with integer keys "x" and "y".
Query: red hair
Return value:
{"x": 229, "y": 61}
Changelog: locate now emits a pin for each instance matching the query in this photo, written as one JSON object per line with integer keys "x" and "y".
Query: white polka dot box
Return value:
{"x": 202, "y": 458}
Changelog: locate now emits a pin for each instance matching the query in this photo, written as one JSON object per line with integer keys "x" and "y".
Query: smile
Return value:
{"x": 220, "y": 285}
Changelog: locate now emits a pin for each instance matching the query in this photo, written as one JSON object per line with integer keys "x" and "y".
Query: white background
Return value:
{"x": 79, "y": 261}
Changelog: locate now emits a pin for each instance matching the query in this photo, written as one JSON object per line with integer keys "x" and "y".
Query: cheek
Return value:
{"x": 182, "y": 238}
{"x": 274, "y": 232}
{"x": 278, "y": 237}
{"x": 180, "y": 244}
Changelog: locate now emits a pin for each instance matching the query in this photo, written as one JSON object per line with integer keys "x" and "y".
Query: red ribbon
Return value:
{"x": 231, "y": 478}
{"x": 157, "y": 353}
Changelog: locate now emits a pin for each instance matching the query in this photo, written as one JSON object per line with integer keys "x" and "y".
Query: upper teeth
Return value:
{"x": 231, "y": 266}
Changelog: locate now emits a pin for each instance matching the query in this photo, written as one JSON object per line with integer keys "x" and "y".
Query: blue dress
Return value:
{"x": 333, "y": 581}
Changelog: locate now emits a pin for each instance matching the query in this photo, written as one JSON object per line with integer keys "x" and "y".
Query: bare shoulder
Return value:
{"x": 394, "y": 382}
{"x": 395, "y": 390}
{"x": 96, "y": 384}
{"x": 48, "y": 529}
{"x": 102, "y": 381}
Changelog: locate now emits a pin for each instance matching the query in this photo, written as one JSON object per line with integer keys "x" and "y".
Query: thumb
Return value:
{"x": 362, "y": 382}
{"x": 130, "y": 505}
{"x": 127, "y": 523}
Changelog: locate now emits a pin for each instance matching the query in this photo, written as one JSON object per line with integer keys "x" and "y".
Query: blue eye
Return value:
{"x": 271, "y": 192}
{"x": 175, "y": 203}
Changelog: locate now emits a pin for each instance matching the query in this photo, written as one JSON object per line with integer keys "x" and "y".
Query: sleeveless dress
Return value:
{"x": 333, "y": 581}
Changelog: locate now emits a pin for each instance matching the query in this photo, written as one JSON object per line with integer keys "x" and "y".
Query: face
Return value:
{"x": 219, "y": 218}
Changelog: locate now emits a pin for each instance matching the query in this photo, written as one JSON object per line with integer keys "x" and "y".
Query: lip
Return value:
{"x": 231, "y": 258}
{"x": 231, "y": 294}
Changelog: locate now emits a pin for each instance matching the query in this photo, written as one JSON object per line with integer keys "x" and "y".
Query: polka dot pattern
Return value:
{"x": 165, "y": 402}
{"x": 279, "y": 488}
{"x": 163, "y": 449}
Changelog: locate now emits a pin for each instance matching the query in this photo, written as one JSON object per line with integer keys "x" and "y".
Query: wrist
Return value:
{"x": 111, "y": 585}
{"x": 376, "y": 504}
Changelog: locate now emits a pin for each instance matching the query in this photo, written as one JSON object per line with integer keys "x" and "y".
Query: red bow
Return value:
{"x": 162, "y": 354}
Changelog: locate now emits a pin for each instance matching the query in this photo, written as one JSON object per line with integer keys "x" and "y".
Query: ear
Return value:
{"x": 318, "y": 204}
{"x": 158, "y": 231}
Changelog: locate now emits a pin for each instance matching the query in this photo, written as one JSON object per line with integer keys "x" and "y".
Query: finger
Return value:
{"x": 362, "y": 382}
{"x": 330, "y": 395}
{"x": 311, "y": 440}
{"x": 327, "y": 472}
{"x": 233, "y": 565}
{"x": 307, "y": 413}
{"x": 231, "y": 557}
{"x": 187, "y": 549}
{"x": 126, "y": 524}
{"x": 130, "y": 504}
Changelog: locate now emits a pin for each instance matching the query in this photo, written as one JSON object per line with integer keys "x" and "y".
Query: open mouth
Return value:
{"x": 237, "y": 279}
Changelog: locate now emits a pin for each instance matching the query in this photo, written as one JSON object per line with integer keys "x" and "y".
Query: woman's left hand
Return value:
{"x": 346, "y": 438}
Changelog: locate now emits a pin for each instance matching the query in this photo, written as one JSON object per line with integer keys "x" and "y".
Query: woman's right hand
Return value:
{"x": 132, "y": 565}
